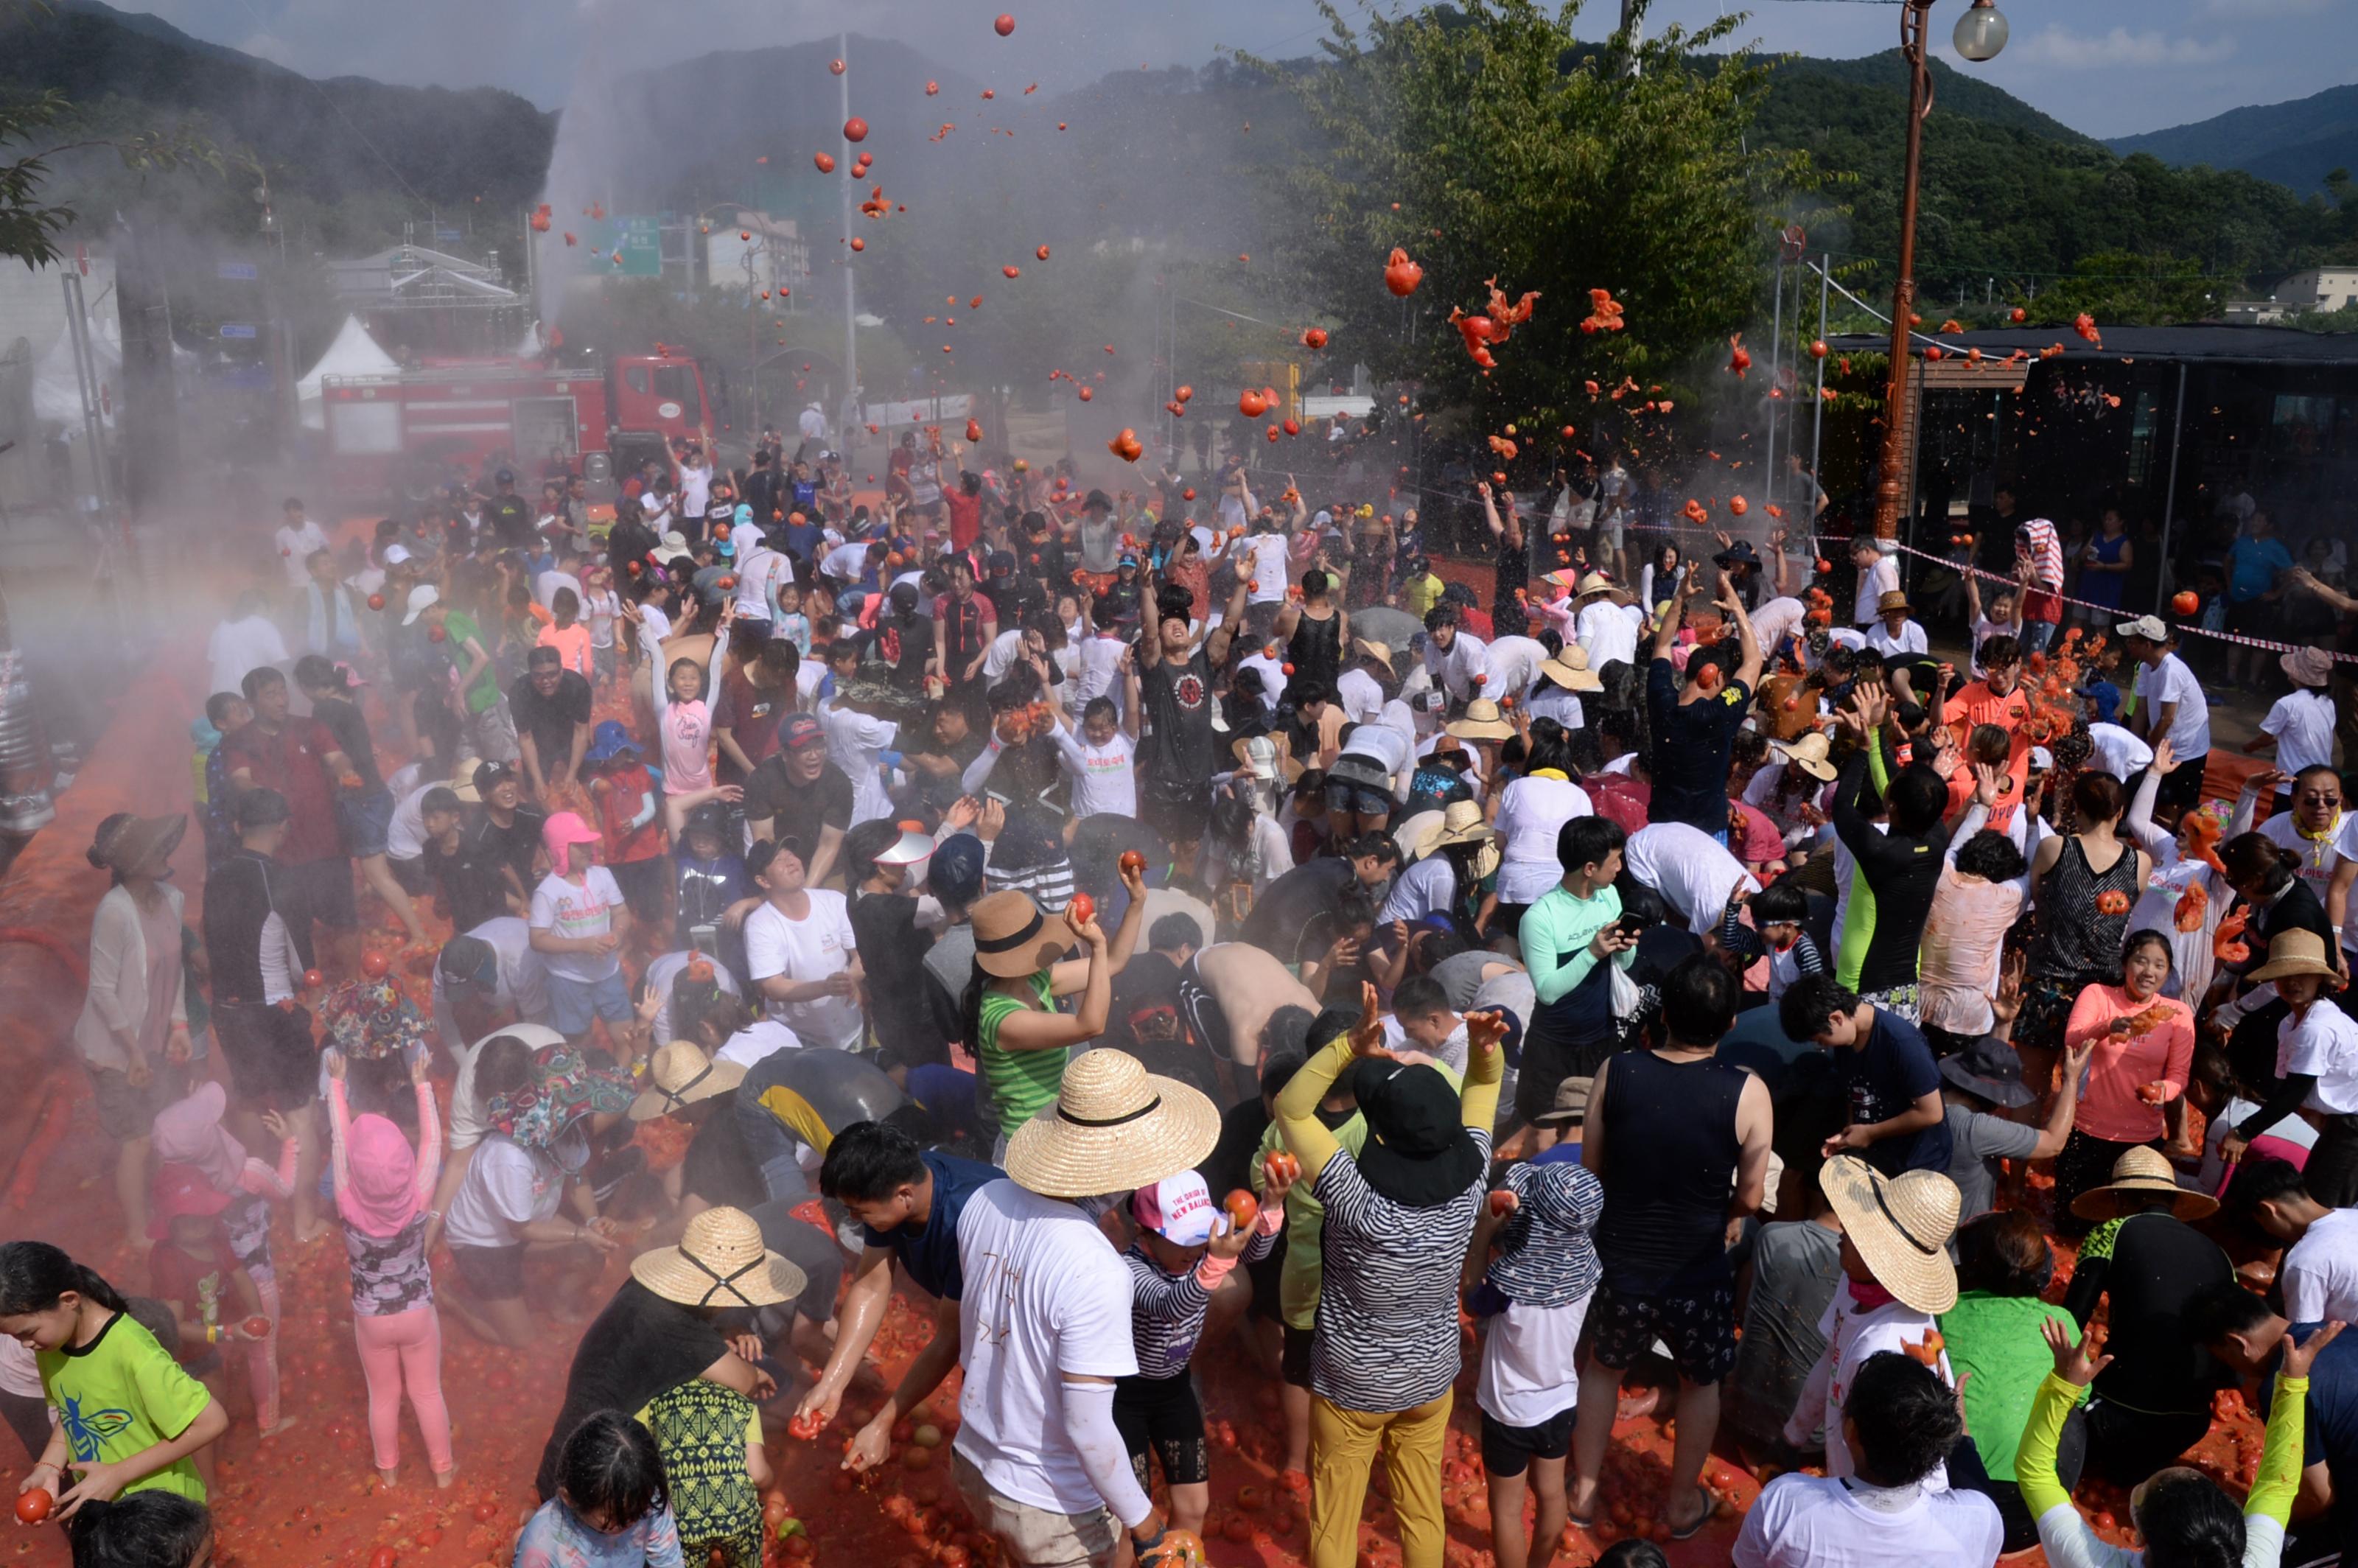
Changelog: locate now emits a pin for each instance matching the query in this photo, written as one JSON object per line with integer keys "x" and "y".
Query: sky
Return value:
{"x": 2104, "y": 67}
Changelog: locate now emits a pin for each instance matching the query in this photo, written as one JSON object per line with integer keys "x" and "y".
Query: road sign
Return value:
{"x": 639, "y": 241}
{"x": 236, "y": 329}
{"x": 236, "y": 272}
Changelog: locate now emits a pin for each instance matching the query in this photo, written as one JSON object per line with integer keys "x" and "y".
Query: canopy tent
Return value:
{"x": 57, "y": 390}
{"x": 353, "y": 353}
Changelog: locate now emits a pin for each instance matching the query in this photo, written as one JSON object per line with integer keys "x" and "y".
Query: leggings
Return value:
{"x": 261, "y": 1358}
{"x": 397, "y": 1348}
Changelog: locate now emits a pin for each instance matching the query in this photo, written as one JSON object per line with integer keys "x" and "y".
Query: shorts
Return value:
{"x": 491, "y": 1273}
{"x": 494, "y": 732}
{"x": 1036, "y": 1537}
{"x": 648, "y": 889}
{"x": 1261, "y": 616}
{"x": 412, "y": 877}
{"x": 364, "y": 821}
{"x": 126, "y": 1111}
{"x": 272, "y": 1058}
{"x": 1161, "y": 1416}
{"x": 1699, "y": 1325}
{"x": 1900, "y": 1001}
{"x": 808, "y": 1248}
{"x": 1613, "y": 533}
{"x": 1506, "y": 919}
{"x": 1345, "y": 795}
{"x": 1293, "y": 1362}
{"x": 1508, "y": 1450}
{"x": 322, "y": 892}
{"x": 573, "y": 1004}
{"x": 1545, "y": 1066}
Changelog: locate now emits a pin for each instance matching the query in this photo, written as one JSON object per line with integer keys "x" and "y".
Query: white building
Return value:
{"x": 756, "y": 252}
{"x": 2319, "y": 289}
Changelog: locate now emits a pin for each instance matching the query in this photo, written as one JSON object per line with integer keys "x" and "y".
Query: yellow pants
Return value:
{"x": 1343, "y": 1445}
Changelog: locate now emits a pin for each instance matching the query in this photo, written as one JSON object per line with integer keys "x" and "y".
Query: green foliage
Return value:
{"x": 1488, "y": 144}
{"x": 31, "y": 218}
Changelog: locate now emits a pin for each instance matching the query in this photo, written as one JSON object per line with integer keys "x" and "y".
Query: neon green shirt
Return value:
{"x": 120, "y": 1395}
{"x": 1022, "y": 1083}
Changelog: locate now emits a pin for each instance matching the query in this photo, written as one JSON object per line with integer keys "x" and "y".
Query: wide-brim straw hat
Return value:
{"x": 140, "y": 841}
{"x": 1813, "y": 753}
{"x": 1012, "y": 938}
{"x": 1594, "y": 582}
{"x": 1900, "y": 1224}
{"x": 1892, "y": 600}
{"x": 2295, "y": 952}
{"x": 681, "y": 1076}
{"x": 720, "y": 1262}
{"x": 1569, "y": 669}
{"x": 1115, "y": 1127}
{"x": 1483, "y": 721}
{"x": 2143, "y": 1170}
{"x": 1369, "y": 648}
{"x": 1462, "y": 823}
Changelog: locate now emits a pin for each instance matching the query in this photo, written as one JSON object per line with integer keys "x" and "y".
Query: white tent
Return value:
{"x": 57, "y": 390}
{"x": 353, "y": 352}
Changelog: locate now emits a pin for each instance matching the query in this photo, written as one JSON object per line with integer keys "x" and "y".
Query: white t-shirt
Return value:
{"x": 1530, "y": 813}
{"x": 758, "y": 578}
{"x": 295, "y": 546}
{"x": 587, "y": 910}
{"x": 1879, "y": 579}
{"x": 467, "y": 1124}
{"x": 2118, "y": 751}
{"x": 2321, "y": 1272}
{"x": 1529, "y": 1373}
{"x": 1273, "y": 676}
{"x": 762, "y": 1037}
{"x": 846, "y": 562}
{"x": 506, "y": 1188}
{"x": 695, "y": 489}
{"x": 1267, "y": 553}
{"x": 2172, "y": 681}
{"x": 1854, "y": 1334}
{"x": 522, "y": 976}
{"x": 2318, "y": 857}
{"x": 1426, "y": 888}
{"x": 1100, "y": 672}
{"x": 20, "y": 1372}
{"x": 1514, "y": 667}
{"x": 1453, "y": 669}
{"x": 1359, "y": 693}
{"x": 853, "y": 743}
{"x": 405, "y": 836}
{"x": 1910, "y": 638}
{"x": 544, "y": 586}
{"x": 2302, "y": 722}
{"x": 1814, "y": 1521}
{"x": 819, "y": 944}
{"x": 1104, "y": 777}
{"x": 1606, "y": 634}
{"x": 1688, "y": 868}
{"x": 241, "y": 647}
{"x": 1000, "y": 657}
{"x": 1046, "y": 1298}
{"x": 1775, "y": 621}
{"x": 663, "y": 974}
{"x": 2323, "y": 1042}
{"x": 1549, "y": 700}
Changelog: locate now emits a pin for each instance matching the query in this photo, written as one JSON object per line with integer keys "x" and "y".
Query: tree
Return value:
{"x": 30, "y": 224}
{"x": 1489, "y": 143}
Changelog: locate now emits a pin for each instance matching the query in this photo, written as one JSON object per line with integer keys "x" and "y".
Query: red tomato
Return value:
{"x": 256, "y": 1327}
{"x": 1504, "y": 1202}
{"x": 803, "y": 1426}
{"x": 1004, "y": 25}
{"x": 313, "y": 979}
{"x": 33, "y": 1506}
{"x": 1244, "y": 1210}
{"x": 1083, "y": 909}
{"x": 855, "y": 129}
{"x": 376, "y": 966}
{"x": 384, "y": 1557}
{"x": 826, "y": 162}
{"x": 437, "y": 634}
{"x": 376, "y": 601}
{"x": 1281, "y": 1165}
{"x": 1131, "y": 860}
{"x": 2185, "y": 603}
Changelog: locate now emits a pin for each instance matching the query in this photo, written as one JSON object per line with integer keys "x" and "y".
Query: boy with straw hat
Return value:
{"x": 1045, "y": 1326}
{"x": 1895, "y": 1252}
{"x": 2317, "y": 1054}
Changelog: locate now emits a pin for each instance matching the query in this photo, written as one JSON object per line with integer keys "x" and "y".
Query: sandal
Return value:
{"x": 1702, "y": 1518}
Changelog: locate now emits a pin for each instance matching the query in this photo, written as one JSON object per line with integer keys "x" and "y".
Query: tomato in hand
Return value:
{"x": 1131, "y": 860}
{"x": 803, "y": 1426}
{"x": 1280, "y": 1166}
{"x": 33, "y": 1506}
{"x": 1503, "y": 1203}
{"x": 1244, "y": 1210}
{"x": 1083, "y": 909}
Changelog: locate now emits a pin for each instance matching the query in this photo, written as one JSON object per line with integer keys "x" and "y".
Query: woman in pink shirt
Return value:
{"x": 2137, "y": 1083}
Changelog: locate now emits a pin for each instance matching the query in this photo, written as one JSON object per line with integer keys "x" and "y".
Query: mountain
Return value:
{"x": 2296, "y": 144}
{"x": 1954, "y": 92}
{"x": 327, "y": 140}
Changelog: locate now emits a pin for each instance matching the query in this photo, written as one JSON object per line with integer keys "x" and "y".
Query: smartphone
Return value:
{"x": 1632, "y": 925}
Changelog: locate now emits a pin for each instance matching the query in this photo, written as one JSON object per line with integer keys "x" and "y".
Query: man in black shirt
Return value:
{"x": 476, "y": 880}
{"x": 1695, "y": 720}
{"x": 797, "y": 794}
{"x": 509, "y": 834}
{"x": 551, "y": 708}
{"x": 1296, "y": 916}
{"x": 1176, "y": 761}
{"x": 509, "y": 514}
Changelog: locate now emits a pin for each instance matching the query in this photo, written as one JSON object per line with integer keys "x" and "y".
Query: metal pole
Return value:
{"x": 1818, "y": 408}
{"x": 86, "y": 378}
{"x": 2169, "y": 495}
{"x": 1898, "y": 429}
{"x": 850, "y": 289}
{"x": 1776, "y": 360}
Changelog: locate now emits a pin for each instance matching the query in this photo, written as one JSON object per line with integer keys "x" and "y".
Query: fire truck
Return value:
{"x": 407, "y": 431}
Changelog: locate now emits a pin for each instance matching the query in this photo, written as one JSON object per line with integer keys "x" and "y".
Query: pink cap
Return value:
{"x": 564, "y": 829}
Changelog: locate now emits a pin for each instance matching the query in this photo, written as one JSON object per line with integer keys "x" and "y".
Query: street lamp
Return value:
{"x": 1981, "y": 33}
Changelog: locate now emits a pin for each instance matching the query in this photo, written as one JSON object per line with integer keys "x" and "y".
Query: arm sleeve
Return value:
{"x": 1478, "y": 1101}
{"x": 1554, "y": 975}
{"x": 1088, "y": 1421}
{"x": 977, "y": 771}
{"x": 1297, "y": 1108}
{"x": 2066, "y": 1536}
{"x": 2285, "y": 1100}
{"x": 2278, "y": 1476}
{"x": 1810, "y": 1409}
{"x": 280, "y": 963}
{"x": 1850, "y": 823}
{"x": 430, "y": 1143}
{"x": 340, "y": 1126}
{"x": 263, "y": 1182}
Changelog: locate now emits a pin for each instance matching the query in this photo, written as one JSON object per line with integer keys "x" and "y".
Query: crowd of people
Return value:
{"x": 1126, "y": 925}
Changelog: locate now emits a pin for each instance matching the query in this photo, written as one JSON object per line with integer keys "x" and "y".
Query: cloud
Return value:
{"x": 2061, "y": 48}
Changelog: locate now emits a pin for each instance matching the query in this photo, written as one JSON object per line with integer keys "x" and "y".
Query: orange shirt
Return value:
{"x": 2110, "y": 1106}
{"x": 572, "y": 645}
{"x": 1977, "y": 703}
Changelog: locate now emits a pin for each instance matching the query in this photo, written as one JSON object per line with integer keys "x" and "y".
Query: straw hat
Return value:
{"x": 1369, "y": 648}
{"x": 1114, "y": 1128}
{"x": 1813, "y": 753}
{"x": 1594, "y": 582}
{"x": 1569, "y": 669}
{"x": 1900, "y": 1224}
{"x": 2307, "y": 666}
{"x": 1012, "y": 938}
{"x": 683, "y": 1075}
{"x": 462, "y": 782}
{"x": 720, "y": 1262}
{"x": 1483, "y": 721}
{"x": 2143, "y": 1170}
{"x": 2295, "y": 953}
{"x": 131, "y": 844}
{"x": 1460, "y": 824}
{"x": 1891, "y": 601}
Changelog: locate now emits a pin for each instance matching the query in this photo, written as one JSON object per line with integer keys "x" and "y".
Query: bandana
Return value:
{"x": 370, "y": 1020}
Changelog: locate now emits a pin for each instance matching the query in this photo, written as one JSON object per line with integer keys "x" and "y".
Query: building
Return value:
{"x": 754, "y": 252}
{"x": 2319, "y": 289}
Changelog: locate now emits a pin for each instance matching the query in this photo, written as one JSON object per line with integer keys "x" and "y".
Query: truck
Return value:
{"x": 406, "y": 432}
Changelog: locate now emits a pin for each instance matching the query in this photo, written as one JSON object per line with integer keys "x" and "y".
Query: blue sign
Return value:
{"x": 236, "y": 272}
{"x": 447, "y": 236}
{"x": 236, "y": 329}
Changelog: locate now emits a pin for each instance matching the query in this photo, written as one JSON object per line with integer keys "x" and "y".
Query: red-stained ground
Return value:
{"x": 311, "y": 1497}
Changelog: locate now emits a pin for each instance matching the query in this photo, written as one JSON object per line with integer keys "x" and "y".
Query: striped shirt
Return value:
{"x": 1388, "y": 1335}
{"x": 1166, "y": 1312}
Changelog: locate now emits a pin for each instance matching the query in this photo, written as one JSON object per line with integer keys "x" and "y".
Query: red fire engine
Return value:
{"x": 387, "y": 433}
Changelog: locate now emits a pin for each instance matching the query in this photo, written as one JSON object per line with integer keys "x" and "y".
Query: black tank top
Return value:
{"x": 1669, "y": 1150}
{"x": 1316, "y": 651}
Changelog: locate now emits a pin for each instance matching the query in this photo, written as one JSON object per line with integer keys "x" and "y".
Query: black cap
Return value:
{"x": 709, "y": 817}
{"x": 487, "y": 774}
{"x": 468, "y": 960}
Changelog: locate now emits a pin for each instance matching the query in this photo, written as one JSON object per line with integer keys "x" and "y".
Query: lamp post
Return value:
{"x": 1981, "y": 33}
